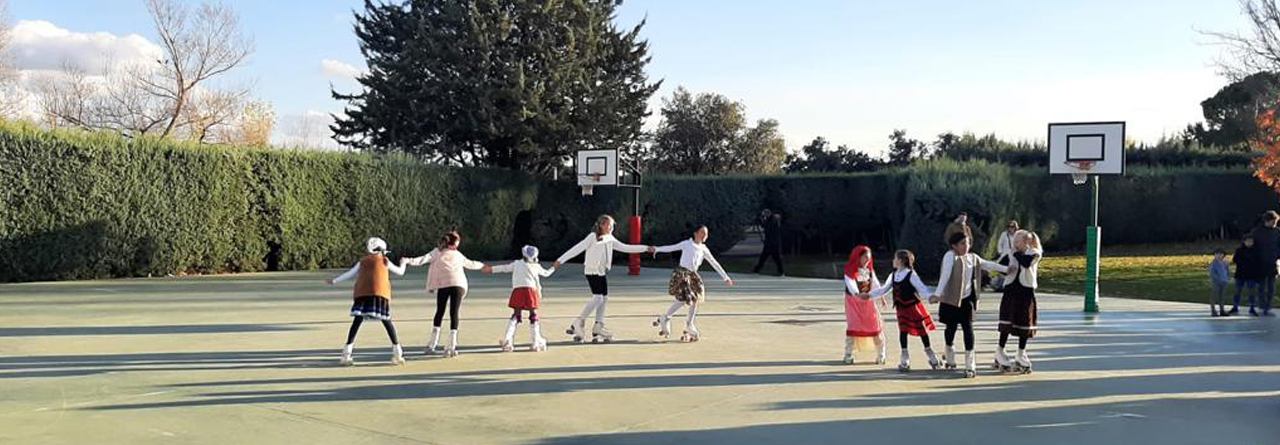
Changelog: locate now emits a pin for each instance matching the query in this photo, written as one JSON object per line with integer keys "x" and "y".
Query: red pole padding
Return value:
{"x": 634, "y": 266}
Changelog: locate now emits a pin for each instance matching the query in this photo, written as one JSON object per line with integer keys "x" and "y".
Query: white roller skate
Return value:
{"x": 664, "y": 326}
{"x": 1024, "y": 362}
{"x": 346, "y": 359}
{"x": 601, "y": 334}
{"x": 904, "y": 363}
{"x": 433, "y": 345}
{"x": 970, "y": 365}
{"x": 1002, "y": 362}
{"x": 397, "y": 355}
{"x": 577, "y": 330}
{"x": 452, "y": 350}
{"x": 848, "y": 350}
{"x": 507, "y": 343}
{"x": 933, "y": 358}
{"x": 691, "y": 334}
{"x": 950, "y": 359}
{"x": 538, "y": 344}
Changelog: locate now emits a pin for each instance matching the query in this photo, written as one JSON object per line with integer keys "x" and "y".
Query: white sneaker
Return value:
{"x": 346, "y": 359}
{"x": 397, "y": 355}
{"x": 848, "y": 350}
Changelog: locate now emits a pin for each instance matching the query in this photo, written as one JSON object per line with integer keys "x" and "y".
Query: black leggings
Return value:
{"x": 902, "y": 339}
{"x": 451, "y": 297}
{"x": 967, "y": 327}
{"x": 1004, "y": 339}
{"x": 355, "y": 327}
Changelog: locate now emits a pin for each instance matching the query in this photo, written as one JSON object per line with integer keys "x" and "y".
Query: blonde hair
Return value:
{"x": 1033, "y": 240}
{"x": 599, "y": 226}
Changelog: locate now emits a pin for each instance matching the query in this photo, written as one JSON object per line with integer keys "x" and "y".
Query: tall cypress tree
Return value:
{"x": 518, "y": 84}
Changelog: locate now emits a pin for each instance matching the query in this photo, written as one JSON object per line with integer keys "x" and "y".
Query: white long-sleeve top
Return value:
{"x": 599, "y": 253}
{"x": 972, "y": 263}
{"x": 897, "y": 277}
{"x": 447, "y": 268}
{"x": 1005, "y": 246}
{"x": 524, "y": 273}
{"x": 354, "y": 270}
{"x": 864, "y": 274}
{"x": 1028, "y": 273}
{"x": 693, "y": 254}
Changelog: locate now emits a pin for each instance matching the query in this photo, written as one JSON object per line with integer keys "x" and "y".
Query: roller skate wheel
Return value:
{"x": 904, "y": 368}
{"x": 969, "y": 373}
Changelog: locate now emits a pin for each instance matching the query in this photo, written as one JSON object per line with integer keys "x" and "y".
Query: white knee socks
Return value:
{"x": 603, "y": 301}
{"x": 671, "y": 311}
{"x": 594, "y": 305}
{"x": 693, "y": 316}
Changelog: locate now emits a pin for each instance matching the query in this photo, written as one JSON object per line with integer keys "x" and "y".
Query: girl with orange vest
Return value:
{"x": 372, "y": 295}
{"x": 448, "y": 279}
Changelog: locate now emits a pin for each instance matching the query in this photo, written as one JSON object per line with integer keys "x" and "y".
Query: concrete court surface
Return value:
{"x": 252, "y": 359}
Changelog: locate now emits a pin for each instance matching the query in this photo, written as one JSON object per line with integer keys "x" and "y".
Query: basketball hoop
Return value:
{"x": 1083, "y": 167}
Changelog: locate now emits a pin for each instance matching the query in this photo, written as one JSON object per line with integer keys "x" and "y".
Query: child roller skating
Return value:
{"x": 686, "y": 285}
{"x": 913, "y": 316}
{"x": 863, "y": 327}
{"x": 1018, "y": 307}
{"x": 959, "y": 284}
{"x": 448, "y": 279}
{"x": 526, "y": 295}
{"x": 598, "y": 247}
{"x": 372, "y": 295}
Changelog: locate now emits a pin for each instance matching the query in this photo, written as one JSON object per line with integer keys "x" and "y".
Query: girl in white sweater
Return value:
{"x": 1018, "y": 306}
{"x": 686, "y": 284}
{"x": 526, "y": 295}
{"x": 598, "y": 247}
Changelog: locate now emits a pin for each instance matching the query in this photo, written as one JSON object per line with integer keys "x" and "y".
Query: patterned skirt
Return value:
{"x": 686, "y": 286}
{"x": 914, "y": 319}
{"x": 524, "y": 298}
{"x": 1018, "y": 311}
{"x": 376, "y": 308}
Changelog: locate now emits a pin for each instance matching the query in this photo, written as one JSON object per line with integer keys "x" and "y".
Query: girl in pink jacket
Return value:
{"x": 448, "y": 279}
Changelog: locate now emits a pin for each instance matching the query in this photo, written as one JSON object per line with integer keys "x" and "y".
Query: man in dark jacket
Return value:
{"x": 1246, "y": 261}
{"x": 771, "y": 224}
{"x": 1266, "y": 243}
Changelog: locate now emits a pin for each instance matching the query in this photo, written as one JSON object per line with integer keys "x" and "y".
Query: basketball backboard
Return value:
{"x": 1092, "y": 148}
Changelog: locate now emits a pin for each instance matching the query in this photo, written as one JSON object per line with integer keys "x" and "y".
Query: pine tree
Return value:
{"x": 518, "y": 84}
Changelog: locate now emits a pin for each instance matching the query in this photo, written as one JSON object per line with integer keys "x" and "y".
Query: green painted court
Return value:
{"x": 252, "y": 359}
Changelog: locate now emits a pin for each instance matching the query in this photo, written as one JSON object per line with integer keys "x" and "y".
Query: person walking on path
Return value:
{"x": 771, "y": 225}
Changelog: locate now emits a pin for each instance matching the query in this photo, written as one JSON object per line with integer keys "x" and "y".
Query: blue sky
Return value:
{"x": 851, "y": 71}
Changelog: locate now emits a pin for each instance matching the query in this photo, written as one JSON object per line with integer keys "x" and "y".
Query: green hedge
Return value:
{"x": 76, "y": 205}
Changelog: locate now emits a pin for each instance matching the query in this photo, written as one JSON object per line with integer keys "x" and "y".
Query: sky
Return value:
{"x": 849, "y": 71}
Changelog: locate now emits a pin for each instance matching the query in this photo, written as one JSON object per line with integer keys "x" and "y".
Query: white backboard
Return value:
{"x": 1099, "y": 143}
{"x": 593, "y": 164}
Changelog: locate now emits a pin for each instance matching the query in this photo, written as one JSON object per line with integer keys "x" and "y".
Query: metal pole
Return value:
{"x": 1093, "y": 253}
{"x": 1095, "y": 200}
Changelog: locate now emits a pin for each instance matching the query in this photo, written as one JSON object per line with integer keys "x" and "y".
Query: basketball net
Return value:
{"x": 588, "y": 189}
{"x": 1083, "y": 175}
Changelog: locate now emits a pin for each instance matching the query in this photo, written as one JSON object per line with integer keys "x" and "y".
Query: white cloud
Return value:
{"x": 334, "y": 68}
{"x": 308, "y": 130}
{"x": 41, "y": 45}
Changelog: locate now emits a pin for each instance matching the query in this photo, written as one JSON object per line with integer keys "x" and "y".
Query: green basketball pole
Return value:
{"x": 1093, "y": 243}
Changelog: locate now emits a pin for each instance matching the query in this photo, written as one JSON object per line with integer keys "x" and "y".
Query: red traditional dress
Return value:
{"x": 862, "y": 317}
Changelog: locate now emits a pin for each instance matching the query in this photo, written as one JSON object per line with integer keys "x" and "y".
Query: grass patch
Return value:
{"x": 1166, "y": 272}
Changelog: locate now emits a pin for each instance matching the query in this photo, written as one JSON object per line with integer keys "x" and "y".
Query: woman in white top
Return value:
{"x": 1004, "y": 248}
{"x": 526, "y": 295}
{"x": 598, "y": 247}
{"x": 686, "y": 284}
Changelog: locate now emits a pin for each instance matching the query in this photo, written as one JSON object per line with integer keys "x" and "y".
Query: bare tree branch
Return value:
{"x": 1255, "y": 51}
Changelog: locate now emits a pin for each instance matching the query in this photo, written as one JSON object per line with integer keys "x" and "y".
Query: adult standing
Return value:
{"x": 958, "y": 225}
{"x": 1004, "y": 249}
{"x": 1266, "y": 241}
{"x": 771, "y": 225}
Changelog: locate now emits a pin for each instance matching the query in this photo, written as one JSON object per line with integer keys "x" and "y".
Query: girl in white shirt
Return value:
{"x": 913, "y": 317}
{"x": 1018, "y": 306}
{"x": 526, "y": 295}
{"x": 598, "y": 247}
{"x": 686, "y": 284}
